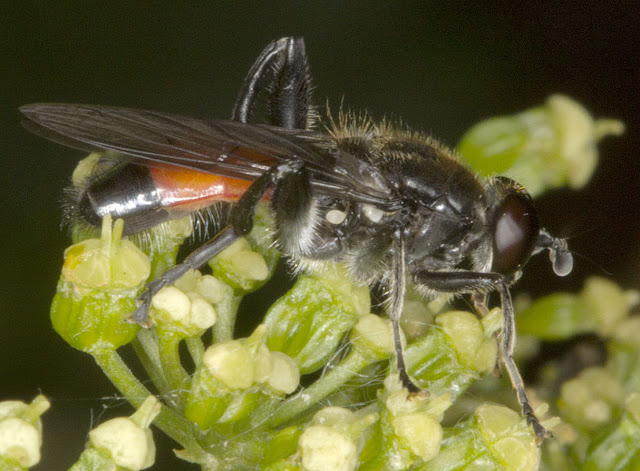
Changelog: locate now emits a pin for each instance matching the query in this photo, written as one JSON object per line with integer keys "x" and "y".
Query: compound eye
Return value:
{"x": 516, "y": 232}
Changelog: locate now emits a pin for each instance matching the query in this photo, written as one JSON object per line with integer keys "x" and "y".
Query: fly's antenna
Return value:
{"x": 559, "y": 253}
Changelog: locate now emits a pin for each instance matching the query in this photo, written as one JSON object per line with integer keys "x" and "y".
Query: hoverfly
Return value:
{"x": 392, "y": 206}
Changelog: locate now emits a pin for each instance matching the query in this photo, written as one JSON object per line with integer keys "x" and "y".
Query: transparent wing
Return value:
{"x": 228, "y": 148}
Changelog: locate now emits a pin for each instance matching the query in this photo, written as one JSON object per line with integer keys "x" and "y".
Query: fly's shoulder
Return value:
{"x": 414, "y": 164}
{"x": 387, "y": 141}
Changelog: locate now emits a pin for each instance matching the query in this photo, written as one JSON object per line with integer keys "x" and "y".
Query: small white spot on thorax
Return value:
{"x": 335, "y": 216}
{"x": 372, "y": 213}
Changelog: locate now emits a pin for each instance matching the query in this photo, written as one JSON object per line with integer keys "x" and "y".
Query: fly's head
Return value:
{"x": 516, "y": 233}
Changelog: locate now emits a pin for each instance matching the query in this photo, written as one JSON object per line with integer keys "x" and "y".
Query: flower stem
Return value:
{"x": 196, "y": 349}
{"x": 168, "y": 348}
{"x": 227, "y": 310}
{"x": 175, "y": 426}
{"x": 323, "y": 387}
{"x": 147, "y": 352}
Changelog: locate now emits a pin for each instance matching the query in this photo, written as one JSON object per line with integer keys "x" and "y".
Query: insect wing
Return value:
{"x": 220, "y": 147}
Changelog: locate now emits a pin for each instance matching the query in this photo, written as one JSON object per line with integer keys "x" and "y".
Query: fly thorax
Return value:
{"x": 440, "y": 241}
{"x": 321, "y": 231}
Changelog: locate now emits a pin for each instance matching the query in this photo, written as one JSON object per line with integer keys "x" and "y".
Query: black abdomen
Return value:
{"x": 126, "y": 191}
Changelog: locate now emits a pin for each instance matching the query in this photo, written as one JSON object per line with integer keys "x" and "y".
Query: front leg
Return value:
{"x": 474, "y": 282}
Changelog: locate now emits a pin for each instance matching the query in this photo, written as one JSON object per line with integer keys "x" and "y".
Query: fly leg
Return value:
{"x": 241, "y": 224}
{"x": 277, "y": 91}
{"x": 397, "y": 290}
{"x": 194, "y": 260}
{"x": 480, "y": 303}
{"x": 278, "y": 86}
{"x": 478, "y": 282}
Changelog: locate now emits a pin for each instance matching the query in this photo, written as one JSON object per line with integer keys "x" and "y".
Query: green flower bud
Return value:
{"x": 618, "y": 449}
{"x": 21, "y": 433}
{"x": 556, "y": 317}
{"x": 467, "y": 336}
{"x": 309, "y": 321}
{"x": 373, "y": 337}
{"x": 206, "y": 288}
{"x": 240, "y": 267}
{"x": 180, "y": 315}
{"x": 419, "y": 433}
{"x": 164, "y": 242}
{"x": 234, "y": 377}
{"x": 85, "y": 169}
{"x": 409, "y": 428}
{"x": 632, "y": 406}
{"x": 100, "y": 281}
{"x": 184, "y": 314}
{"x": 210, "y": 288}
{"x": 284, "y": 374}
{"x": 451, "y": 357}
{"x": 508, "y": 437}
{"x": 207, "y": 401}
{"x": 371, "y": 342}
{"x": 163, "y": 246}
{"x": 241, "y": 404}
{"x": 624, "y": 353}
{"x": 106, "y": 263}
{"x": 609, "y": 303}
{"x": 325, "y": 448}
{"x": 600, "y": 307}
{"x": 230, "y": 363}
{"x": 280, "y": 450}
{"x": 546, "y": 147}
{"x": 592, "y": 399}
{"x": 333, "y": 440}
{"x": 261, "y": 236}
{"x": 225, "y": 374}
{"x": 417, "y": 315}
{"x": 123, "y": 442}
{"x": 397, "y": 403}
{"x": 496, "y": 439}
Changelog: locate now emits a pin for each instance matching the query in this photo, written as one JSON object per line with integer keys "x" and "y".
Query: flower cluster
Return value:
{"x": 313, "y": 387}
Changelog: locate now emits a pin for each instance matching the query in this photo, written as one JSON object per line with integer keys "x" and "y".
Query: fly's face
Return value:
{"x": 391, "y": 205}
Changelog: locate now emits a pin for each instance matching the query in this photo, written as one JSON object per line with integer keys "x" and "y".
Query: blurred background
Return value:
{"x": 441, "y": 67}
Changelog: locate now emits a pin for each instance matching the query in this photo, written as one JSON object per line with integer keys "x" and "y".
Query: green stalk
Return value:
{"x": 168, "y": 348}
{"x": 227, "y": 310}
{"x": 196, "y": 349}
{"x": 320, "y": 389}
{"x": 147, "y": 352}
{"x": 175, "y": 426}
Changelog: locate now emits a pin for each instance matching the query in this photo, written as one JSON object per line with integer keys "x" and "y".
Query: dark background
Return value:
{"x": 440, "y": 68}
